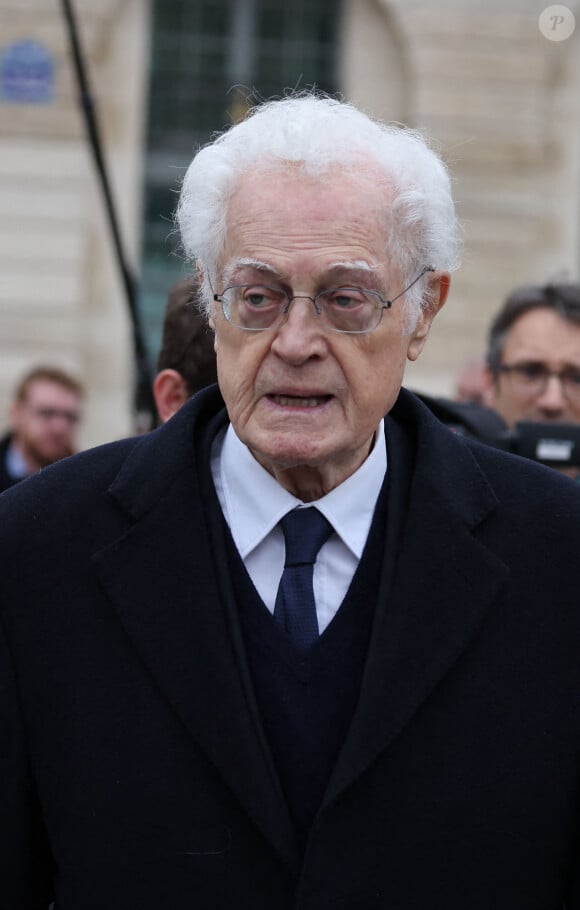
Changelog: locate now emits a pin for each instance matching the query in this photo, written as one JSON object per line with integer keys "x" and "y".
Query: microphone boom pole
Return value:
{"x": 144, "y": 401}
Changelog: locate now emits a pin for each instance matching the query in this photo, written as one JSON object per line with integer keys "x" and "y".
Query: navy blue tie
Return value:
{"x": 305, "y": 531}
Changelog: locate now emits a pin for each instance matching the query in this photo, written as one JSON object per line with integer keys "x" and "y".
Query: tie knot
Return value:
{"x": 305, "y": 531}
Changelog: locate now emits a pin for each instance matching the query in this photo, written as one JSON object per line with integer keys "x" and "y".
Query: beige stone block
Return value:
{"x": 50, "y": 159}
{"x": 501, "y": 24}
{"x": 62, "y": 123}
{"x": 36, "y": 246}
{"x": 492, "y": 110}
{"x": 43, "y": 339}
{"x": 485, "y": 144}
{"x": 39, "y": 289}
{"x": 486, "y": 69}
{"x": 29, "y": 357}
{"x": 52, "y": 208}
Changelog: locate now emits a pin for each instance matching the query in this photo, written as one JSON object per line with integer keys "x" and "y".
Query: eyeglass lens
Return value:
{"x": 47, "y": 414}
{"x": 532, "y": 379}
{"x": 258, "y": 307}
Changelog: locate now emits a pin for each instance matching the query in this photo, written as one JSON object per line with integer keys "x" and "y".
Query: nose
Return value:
{"x": 552, "y": 402}
{"x": 301, "y": 336}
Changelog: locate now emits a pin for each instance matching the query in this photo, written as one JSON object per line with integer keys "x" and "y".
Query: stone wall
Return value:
{"x": 61, "y": 299}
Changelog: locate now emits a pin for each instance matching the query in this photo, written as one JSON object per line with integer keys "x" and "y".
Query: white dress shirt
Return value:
{"x": 15, "y": 464}
{"x": 253, "y": 503}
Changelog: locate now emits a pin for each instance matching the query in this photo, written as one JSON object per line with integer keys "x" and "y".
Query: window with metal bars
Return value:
{"x": 208, "y": 58}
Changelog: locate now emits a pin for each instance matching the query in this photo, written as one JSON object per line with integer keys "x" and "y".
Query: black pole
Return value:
{"x": 144, "y": 401}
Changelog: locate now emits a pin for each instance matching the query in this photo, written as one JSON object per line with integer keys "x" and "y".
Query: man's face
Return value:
{"x": 539, "y": 338}
{"x": 44, "y": 423}
{"x": 306, "y": 400}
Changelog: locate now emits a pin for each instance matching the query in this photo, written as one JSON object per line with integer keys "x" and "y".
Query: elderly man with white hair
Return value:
{"x": 300, "y": 648}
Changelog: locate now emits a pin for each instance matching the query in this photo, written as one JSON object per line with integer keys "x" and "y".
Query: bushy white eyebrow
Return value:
{"x": 359, "y": 265}
{"x": 353, "y": 265}
{"x": 250, "y": 264}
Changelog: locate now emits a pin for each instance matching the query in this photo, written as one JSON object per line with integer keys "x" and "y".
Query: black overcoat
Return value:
{"x": 135, "y": 773}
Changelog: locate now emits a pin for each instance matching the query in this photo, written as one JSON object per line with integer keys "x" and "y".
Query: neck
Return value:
{"x": 312, "y": 482}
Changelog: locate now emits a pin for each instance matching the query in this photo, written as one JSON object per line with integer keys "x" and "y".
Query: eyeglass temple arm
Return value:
{"x": 424, "y": 270}
{"x": 387, "y": 303}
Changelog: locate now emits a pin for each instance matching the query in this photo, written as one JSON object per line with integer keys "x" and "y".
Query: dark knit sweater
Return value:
{"x": 307, "y": 701}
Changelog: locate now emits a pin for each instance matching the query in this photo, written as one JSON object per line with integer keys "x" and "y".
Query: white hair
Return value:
{"x": 318, "y": 133}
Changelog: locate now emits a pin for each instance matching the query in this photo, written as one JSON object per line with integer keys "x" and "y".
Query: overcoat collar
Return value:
{"x": 438, "y": 581}
{"x": 165, "y": 578}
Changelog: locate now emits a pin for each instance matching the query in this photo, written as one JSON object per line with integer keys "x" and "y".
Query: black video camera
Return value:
{"x": 554, "y": 444}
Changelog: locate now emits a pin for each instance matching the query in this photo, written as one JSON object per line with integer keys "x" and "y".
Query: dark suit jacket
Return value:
{"x": 134, "y": 769}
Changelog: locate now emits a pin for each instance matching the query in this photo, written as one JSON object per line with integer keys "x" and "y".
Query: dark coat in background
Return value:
{"x": 6, "y": 479}
{"x": 134, "y": 769}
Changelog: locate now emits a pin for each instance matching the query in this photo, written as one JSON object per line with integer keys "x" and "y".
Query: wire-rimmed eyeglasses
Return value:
{"x": 531, "y": 379}
{"x": 352, "y": 311}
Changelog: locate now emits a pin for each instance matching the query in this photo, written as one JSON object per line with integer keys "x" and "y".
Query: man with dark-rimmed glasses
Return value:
{"x": 300, "y": 648}
{"x": 533, "y": 355}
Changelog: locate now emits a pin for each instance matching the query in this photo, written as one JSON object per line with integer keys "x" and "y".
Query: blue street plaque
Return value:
{"x": 26, "y": 73}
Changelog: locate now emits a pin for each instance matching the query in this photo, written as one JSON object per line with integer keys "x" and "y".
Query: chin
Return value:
{"x": 49, "y": 458}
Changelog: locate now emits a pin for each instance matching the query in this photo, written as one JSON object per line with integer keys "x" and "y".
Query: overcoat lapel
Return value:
{"x": 438, "y": 582}
{"x": 161, "y": 576}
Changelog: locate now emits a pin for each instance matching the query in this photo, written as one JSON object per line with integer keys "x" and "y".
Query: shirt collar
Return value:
{"x": 15, "y": 463}
{"x": 254, "y": 502}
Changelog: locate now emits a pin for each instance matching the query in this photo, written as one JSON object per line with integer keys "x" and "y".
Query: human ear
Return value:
{"x": 439, "y": 284}
{"x": 170, "y": 392}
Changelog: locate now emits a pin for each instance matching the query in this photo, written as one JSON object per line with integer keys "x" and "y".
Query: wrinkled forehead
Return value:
{"x": 545, "y": 335}
{"x": 282, "y": 181}
{"x": 341, "y": 216}
{"x": 48, "y": 393}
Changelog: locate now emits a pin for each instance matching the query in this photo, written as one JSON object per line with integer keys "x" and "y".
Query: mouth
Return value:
{"x": 299, "y": 401}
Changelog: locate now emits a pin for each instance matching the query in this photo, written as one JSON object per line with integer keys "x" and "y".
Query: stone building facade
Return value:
{"x": 500, "y": 99}
{"x": 61, "y": 298}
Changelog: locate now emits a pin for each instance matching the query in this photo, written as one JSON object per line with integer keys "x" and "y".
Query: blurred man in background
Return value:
{"x": 186, "y": 361}
{"x": 470, "y": 383}
{"x": 533, "y": 355}
{"x": 43, "y": 418}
